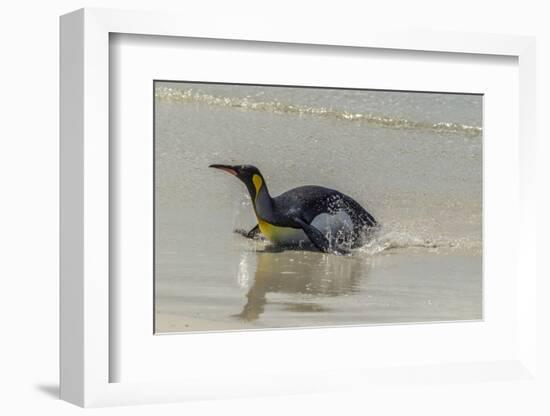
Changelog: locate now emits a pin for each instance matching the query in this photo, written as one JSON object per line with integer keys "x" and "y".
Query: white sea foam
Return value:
{"x": 248, "y": 103}
{"x": 403, "y": 240}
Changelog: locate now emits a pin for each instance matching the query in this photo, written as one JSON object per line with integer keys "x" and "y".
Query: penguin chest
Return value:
{"x": 281, "y": 235}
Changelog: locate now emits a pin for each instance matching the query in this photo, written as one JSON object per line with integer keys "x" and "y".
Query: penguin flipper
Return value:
{"x": 318, "y": 238}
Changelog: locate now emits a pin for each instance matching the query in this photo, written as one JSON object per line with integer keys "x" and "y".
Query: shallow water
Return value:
{"x": 413, "y": 160}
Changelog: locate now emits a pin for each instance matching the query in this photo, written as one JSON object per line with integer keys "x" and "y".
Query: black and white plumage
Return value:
{"x": 329, "y": 219}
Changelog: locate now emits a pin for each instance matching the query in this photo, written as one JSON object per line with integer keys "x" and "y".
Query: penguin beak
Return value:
{"x": 229, "y": 169}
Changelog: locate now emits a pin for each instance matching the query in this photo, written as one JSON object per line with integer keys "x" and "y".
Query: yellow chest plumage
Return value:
{"x": 280, "y": 234}
{"x": 272, "y": 232}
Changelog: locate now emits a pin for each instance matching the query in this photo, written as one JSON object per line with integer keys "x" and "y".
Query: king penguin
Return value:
{"x": 331, "y": 221}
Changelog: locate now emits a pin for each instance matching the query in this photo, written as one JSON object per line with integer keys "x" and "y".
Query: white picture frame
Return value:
{"x": 86, "y": 356}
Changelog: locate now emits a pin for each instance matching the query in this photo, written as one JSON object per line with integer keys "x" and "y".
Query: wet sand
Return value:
{"x": 302, "y": 289}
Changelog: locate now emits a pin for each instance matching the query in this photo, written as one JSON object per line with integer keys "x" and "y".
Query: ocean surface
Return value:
{"x": 413, "y": 160}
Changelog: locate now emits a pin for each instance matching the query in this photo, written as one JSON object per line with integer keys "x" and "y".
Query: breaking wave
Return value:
{"x": 177, "y": 95}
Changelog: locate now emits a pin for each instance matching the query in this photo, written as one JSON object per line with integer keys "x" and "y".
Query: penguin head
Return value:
{"x": 248, "y": 174}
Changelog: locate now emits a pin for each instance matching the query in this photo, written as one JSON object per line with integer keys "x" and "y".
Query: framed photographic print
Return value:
{"x": 250, "y": 214}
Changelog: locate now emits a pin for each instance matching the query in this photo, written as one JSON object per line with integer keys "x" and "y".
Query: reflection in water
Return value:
{"x": 313, "y": 275}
